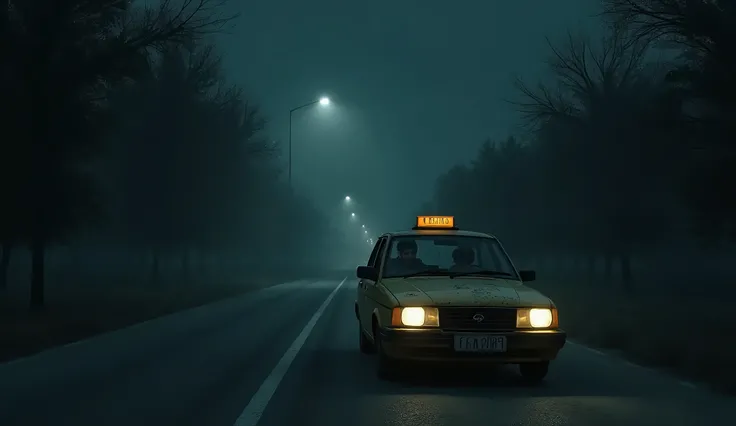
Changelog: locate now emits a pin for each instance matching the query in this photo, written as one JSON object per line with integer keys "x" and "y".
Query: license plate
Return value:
{"x": 480, "y": 343}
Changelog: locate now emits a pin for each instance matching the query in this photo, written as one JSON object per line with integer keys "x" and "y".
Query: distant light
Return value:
{"x": 365, "y": 232}
{"x": 363, "y": 226}
{"x": 352, "y": 214}
{"x": 368, "y": 241}
{"x": 347, "y": 198}
{"x": 324, "y": 101}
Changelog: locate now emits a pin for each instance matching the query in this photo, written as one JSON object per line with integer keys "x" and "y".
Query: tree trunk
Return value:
{"x": 155, "y": 266}
{"x": 627, "y": 278}
{"x": 607, "y": 268}
{"x": 185, "y": 262}
{"x": 7, "y": 250}
{"x": 42, "y": 162}
{"x": 591, "y": 269}
{"x": 203, "y": 263}
{"x": 186, "y": 267}
{"x": 38, "y": 254}
{"x": 576, "y": 262}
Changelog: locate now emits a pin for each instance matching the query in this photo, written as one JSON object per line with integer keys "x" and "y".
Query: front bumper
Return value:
{"x": 439, "y": 345}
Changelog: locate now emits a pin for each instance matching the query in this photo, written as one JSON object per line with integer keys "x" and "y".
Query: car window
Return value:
{"x": 381, "y": 251}
{"x": 493, "y": 256}
{"x": 430, "y": 253}
{"x": 374, "y": 253}
{"x": 436, "y": 252}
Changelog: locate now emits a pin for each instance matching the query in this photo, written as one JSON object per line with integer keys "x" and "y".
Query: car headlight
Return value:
{"x": 536, "y": 318}
{"x": 415, "y": 317}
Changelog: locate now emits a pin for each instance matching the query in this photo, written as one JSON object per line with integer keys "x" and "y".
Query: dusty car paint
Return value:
{"x": 465, "y": 291}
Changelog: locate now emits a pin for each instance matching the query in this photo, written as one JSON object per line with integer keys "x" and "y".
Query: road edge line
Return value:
{"x": 92, "y": 339}
{"x": 252, "y": 413}
{"x": 618, "y": 358}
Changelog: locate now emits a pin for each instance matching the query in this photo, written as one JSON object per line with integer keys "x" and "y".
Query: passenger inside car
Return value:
{"x": 463, "y": 258}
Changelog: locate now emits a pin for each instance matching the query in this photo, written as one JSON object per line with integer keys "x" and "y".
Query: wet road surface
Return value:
{"x": 288, "y": 355}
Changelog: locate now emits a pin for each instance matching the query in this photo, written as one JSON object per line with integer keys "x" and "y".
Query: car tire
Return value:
{"x": 534, "y": 372}
{"x": 366, "y": 346}
{"x": 386, "y": 367}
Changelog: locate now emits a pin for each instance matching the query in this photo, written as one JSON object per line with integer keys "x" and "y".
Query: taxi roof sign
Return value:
{"x": 435, "y": 222}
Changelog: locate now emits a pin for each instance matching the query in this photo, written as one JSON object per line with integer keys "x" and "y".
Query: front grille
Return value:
{"x": 494, "y": 319}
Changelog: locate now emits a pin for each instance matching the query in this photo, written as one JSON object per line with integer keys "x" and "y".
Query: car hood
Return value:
{"x": 465, "y": 291}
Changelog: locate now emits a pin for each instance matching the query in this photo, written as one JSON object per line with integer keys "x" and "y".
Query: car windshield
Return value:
{"x": 450, "y": 255}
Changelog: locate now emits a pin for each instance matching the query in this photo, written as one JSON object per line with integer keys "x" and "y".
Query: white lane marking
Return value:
{"x": 588, "y": 348}
{"x": 258, "y": 403}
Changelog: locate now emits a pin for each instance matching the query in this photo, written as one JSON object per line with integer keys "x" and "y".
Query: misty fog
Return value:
{"x": 159, "y": 158}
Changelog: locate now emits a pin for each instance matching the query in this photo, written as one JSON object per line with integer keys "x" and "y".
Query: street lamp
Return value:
{"x": 363, "y": 226}
{"x": 324, "y": 101}
{"x": 347, "y": 198}
{"x": 365, "y": 232}
{"x": 352, "y": 214}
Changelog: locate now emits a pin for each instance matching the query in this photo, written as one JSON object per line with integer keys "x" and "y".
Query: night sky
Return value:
{"x": 416, "y": 87}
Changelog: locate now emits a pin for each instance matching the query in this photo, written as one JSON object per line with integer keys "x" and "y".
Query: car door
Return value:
{"x": 362, "y": 287}
{"x": 369, "y": 287}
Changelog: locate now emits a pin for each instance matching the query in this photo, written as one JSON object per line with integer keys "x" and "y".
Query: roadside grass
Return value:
{"x": 687, "y": 331}
{"x": 81, "y": 304}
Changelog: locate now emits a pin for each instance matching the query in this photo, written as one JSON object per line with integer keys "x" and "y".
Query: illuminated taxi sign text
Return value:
{"x": 435, "y": 221}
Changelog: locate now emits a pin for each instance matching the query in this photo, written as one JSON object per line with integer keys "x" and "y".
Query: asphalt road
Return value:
{"x": 288, "y": 355}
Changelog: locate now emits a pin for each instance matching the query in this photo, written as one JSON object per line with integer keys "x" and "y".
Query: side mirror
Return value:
{"x": 367, "y": 273}
{"x": 527, "y": 276}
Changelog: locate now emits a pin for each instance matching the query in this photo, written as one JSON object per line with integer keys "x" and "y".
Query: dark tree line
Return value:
{"x": 118, "y": 121}
{"x": 626, "y": 151}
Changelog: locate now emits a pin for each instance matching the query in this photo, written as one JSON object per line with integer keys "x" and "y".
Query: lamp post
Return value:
{"x": 322, "y": 101}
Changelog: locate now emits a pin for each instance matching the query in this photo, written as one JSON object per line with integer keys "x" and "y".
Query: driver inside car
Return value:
{"x": 407, "y": 260}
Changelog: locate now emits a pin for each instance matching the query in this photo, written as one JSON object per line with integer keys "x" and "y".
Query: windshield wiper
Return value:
{"x": 482, "y": 272}
{"x": 427, "y": 272}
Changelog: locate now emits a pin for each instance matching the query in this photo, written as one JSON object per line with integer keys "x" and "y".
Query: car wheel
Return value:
{"x": 366, "y": 346}
{"x": 386, "y": 367}
{"x": 534, "y": 372}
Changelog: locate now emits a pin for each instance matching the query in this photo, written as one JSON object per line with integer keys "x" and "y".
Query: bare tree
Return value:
{"x": 599, "y": 113}
{"x": 584, "y": 77}
{"x": 63, "y": 56}
{"x": 702, "y": 25}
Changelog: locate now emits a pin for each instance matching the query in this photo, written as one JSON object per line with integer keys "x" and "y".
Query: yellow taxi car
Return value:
{"x": 437, "y": 293}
